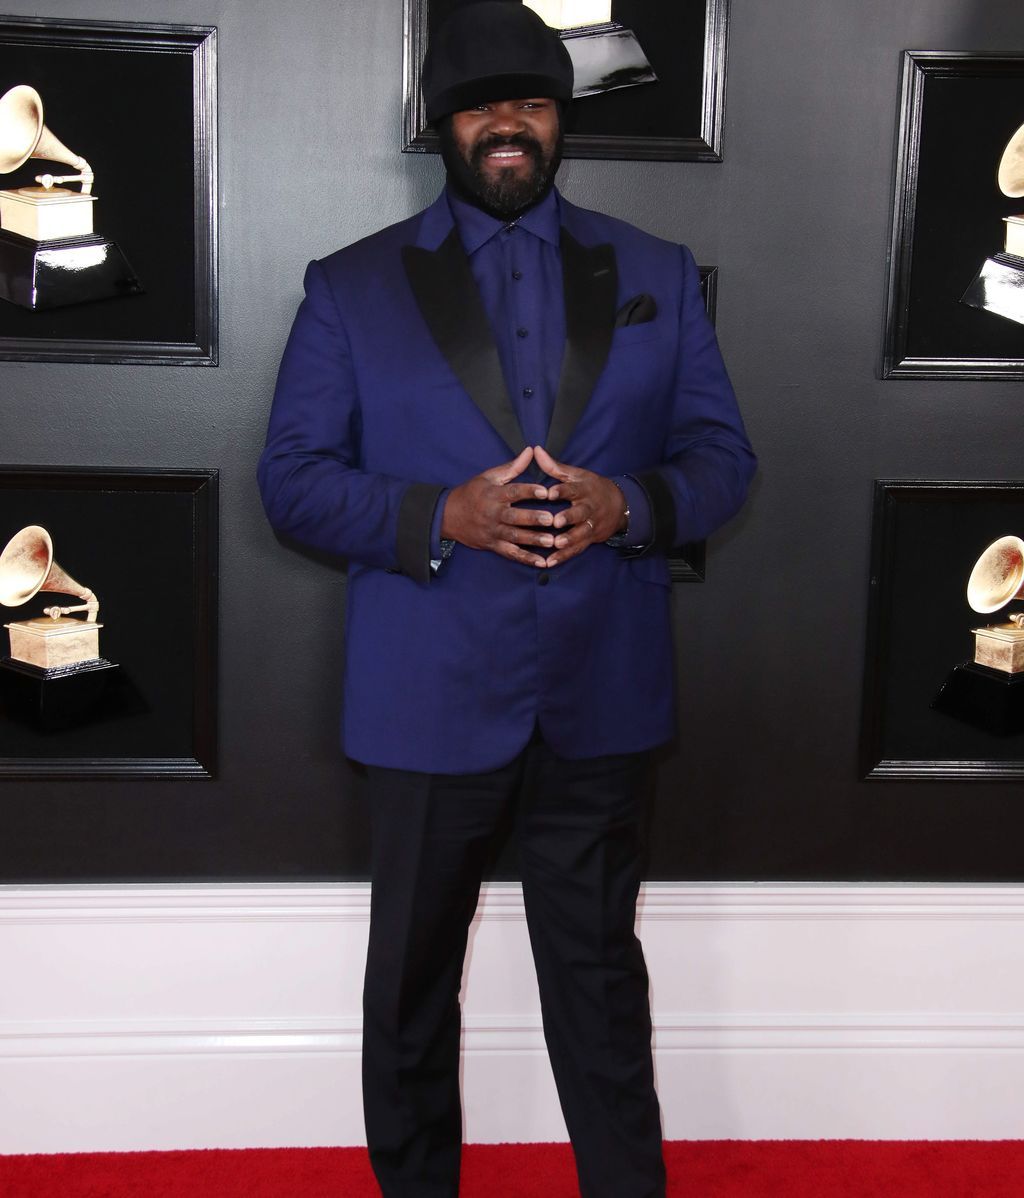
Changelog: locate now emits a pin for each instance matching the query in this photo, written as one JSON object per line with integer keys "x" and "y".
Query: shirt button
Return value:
{"x": 522, "y": 332}
{"x": 517, "y": 275}
{"x": 527, "y": 392}
{"x": 544, "y": 578}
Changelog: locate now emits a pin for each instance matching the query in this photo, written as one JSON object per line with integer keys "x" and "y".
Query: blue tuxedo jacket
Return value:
{"x": 390, "y": 390}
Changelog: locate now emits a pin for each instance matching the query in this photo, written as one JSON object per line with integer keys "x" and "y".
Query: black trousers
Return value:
{"x": 577, "y": 827}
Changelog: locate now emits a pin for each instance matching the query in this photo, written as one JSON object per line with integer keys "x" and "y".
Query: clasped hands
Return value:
{"x": 481, "y": 513}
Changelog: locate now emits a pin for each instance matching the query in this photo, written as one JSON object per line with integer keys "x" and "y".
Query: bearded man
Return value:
{"x": 504, "y": 411}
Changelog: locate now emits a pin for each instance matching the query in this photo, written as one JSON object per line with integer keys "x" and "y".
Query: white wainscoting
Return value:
{"x": 148, "y": 1017}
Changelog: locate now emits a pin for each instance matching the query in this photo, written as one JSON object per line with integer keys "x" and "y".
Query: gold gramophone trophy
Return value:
{"x": 999, "y": 285}
{"x": 49, "y": 254}
{"x": 54, "y": 671}
{"x": 989, "y": 691}
{"x": 605, "y": 54}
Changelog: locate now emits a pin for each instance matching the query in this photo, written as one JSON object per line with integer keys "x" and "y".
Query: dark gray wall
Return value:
{"x": 763, "y": 781}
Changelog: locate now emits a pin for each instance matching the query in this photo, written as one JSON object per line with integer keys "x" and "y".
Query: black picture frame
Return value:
{"x": 927, "y": 535}
{"x": 957, "y": 112}
{"x": 146, "y": 542}
{"x": 688, "y": 563}
{"x": 139, "y": 101}
{"x": 678, "y": 119}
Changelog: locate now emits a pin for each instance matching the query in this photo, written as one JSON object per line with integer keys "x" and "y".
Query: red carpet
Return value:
{"x": 701, "y": 1169}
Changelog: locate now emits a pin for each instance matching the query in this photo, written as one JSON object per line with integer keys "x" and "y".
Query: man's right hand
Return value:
{"x": 479, "y": 513}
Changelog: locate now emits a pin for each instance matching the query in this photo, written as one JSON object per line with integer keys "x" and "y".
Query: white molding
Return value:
{"x": 343, "y": 900}
{"x": 256, "y": 902}
{"x": 808, "y": 900}
{"x": 682, "y": 1032}
{"x": 158, "y": 1016}
{"x": 228, "y": 903}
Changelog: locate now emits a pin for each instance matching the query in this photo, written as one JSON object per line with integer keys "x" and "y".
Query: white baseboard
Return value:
{"x": 136, "y": 1017}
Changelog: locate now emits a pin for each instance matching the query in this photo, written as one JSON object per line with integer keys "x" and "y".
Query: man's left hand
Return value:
{"x": 596, "y": 508}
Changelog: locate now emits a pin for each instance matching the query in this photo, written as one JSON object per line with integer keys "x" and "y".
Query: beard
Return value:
{"x": 507, "y": 194}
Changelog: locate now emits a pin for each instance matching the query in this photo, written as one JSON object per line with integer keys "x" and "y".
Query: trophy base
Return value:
{"x": 54, "y": 644}
{"x": 605, "y": 57}
{"x": 1001, "y": 647}
{"x": 998, "y": 287}
{"x": 55, "y": 698}
{"x": 42, "y": 214}
{"x": 987, "y": 698}
{"x": 68, "y": 270}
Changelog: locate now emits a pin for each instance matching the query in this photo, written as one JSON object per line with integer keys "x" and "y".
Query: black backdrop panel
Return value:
{"x": 672, "y": 37}
{"x": 135, "y": 126}
{"x": 678, "y": 116}
{"x": 928, "y": 538}
{"x": 967, "y": 121}
{"x": 144, "y": 543}
{"x": 763, "y": 780}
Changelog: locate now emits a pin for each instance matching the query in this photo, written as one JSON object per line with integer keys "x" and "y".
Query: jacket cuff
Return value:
{"x": 663, "y": 510}
{"x": 415, "y": 522}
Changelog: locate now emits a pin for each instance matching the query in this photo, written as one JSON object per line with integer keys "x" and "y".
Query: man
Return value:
{"x": 503, "y": 411}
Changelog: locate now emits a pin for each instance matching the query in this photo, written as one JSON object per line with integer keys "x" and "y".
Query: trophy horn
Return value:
{"x": 1011, "y": 166}
{"x": 998, "y": 576}
{"x": 23, "y": 136}
{"x": 27, "y": 567}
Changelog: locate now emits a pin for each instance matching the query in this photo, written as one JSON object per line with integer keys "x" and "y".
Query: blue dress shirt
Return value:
{"x": 517, "y": 267}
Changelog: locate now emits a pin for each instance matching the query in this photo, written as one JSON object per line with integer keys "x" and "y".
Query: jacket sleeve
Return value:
{"x": 311, "y": 477}
{"x": 707, "y": 462}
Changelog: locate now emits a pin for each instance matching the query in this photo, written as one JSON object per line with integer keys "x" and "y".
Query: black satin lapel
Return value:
{"x": 450, "y": 302}
{"x": 590, "y": 281}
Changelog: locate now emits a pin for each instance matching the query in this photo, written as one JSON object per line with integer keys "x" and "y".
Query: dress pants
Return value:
{"x": 577, "y": 826}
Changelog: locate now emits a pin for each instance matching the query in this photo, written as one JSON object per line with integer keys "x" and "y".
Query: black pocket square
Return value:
{"x": 638, "y": 310}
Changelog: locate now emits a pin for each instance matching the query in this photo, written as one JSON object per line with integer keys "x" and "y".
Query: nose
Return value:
{"x": 506, "y": 120}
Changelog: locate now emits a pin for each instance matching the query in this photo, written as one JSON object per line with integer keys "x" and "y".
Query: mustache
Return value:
{"x": 518, "y": 141}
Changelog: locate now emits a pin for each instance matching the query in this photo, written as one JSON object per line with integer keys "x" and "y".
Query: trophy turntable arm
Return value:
{"x": 85, "y": 177}
{"x": 91, "y": 605}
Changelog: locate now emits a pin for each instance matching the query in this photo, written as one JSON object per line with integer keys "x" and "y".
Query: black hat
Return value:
{"x": 493, "y": 50}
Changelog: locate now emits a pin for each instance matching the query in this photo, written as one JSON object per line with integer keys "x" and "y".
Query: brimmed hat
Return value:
{"x": 493, "y": 50}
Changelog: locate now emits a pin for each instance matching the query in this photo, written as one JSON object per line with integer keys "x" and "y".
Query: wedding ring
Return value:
{"x": 591, "y": 523}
